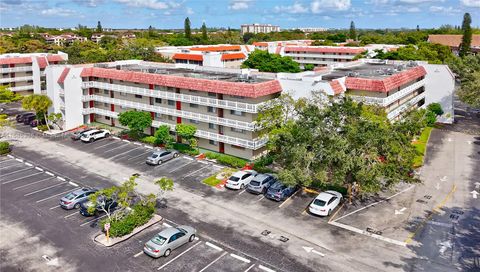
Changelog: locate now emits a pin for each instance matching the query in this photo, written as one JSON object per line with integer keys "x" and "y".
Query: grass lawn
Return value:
{"x": 421, "y": 146}
{"x": 213, "y": 181}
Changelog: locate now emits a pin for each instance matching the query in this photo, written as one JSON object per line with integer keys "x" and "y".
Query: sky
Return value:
{"x": 167, "y": 14}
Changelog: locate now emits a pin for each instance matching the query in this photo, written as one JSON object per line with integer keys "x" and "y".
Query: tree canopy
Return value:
{"x": 187, "y": 30}
{"x": 467, "y": 35}
{"x": 468, "y": 70}
{"x": 163, "y": 137}
{"x": 7, "y": 96}
{"x": 433, "y": 53}
{"x": 266, "y": 62}
{"x": 136, "y": 121}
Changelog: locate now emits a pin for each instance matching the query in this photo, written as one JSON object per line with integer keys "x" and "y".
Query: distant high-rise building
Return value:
{"x": 259, "y": 28}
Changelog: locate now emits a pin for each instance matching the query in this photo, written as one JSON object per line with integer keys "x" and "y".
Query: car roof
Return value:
{"x": 261, "y": 176}
{"x": 326, "y": 196}
{"x": 168, "y": 232}
{"x": 240, "y": 174}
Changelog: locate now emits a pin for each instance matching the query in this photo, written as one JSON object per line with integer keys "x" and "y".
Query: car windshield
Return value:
{"x": 154, "y": 156}
{"x": 70, "y": 196}
{"x": 182, "y": 230}
{"x": 159, "y": 240}
{"x": 233, "y": 178}
{"x": 319, "y": 202}
{"x": 254, "y": 183}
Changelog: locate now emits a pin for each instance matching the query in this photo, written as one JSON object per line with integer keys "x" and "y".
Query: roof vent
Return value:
{"x": 352, "y": 74}
{"x": 411, "y": 63}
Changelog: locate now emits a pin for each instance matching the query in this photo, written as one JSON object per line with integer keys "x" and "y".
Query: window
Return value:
{"x": 193, "y": 121}
{"x": 237, "y": 97}
{"x": 331, "y": 200}
{"x": 105, "y": 104}
{"x": 212, "y": 126}
{"x": 107, "y": 118}
{"x": 105, "y": 92}
{"x": 171, "y": 103}
{"x": 123, "y": 107}
{"x": 212, "y": 109}
{"x": 97, "y": 91}
{"x": 158, "y": 100}
{"x": 138, "y": 96}
{"x": 192, "y": 91}
{"x": 237, "y": 130}
{"x": 171, "y": 118}
{"x": 193, "y": 105}
{"x": 238, "y": 113}
{"x": 158, "y": 115}
{"x": 212, "y": 142}
{"x": 212, "y": 94}
{"x": 123, "y": 94}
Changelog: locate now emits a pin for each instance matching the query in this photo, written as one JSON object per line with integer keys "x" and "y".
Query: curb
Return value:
{"x": 100, "y": 239}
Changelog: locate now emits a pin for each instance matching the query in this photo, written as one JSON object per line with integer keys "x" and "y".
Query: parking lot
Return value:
{"x": 36, "y": 189}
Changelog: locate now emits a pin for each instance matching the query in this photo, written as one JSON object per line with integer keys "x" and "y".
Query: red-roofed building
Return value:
{"x": 454, "y": 41}
{"x": 321, "y": 55}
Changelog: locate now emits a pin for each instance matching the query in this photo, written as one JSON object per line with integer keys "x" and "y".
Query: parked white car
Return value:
{"x": 240, "y": 179}
{"x": 325, "y": 203}
{"x": 94, "y": 134}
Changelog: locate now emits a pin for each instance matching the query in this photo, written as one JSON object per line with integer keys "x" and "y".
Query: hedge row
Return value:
{"x": 186, "y": 149}
{"x": 4, "y": 148}
{"x": 148, "y": 140}
{"x": 226, "y": 159}
{"x": 139, "y": 216}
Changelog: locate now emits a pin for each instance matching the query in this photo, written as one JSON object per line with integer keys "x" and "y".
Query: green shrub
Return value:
{"x": 139, "y": 216}
{"x": 231, "y": 161}
{"x": 186, "y": 149}
{"x": 435, "y": 108}
{"x": 431, "y": 118}
{"x": 43, "y": 127}
{"x": 260, "y": 164}
{"x": 211, "y": 155}
{"x": 148, "y": 140}
{"x": 4, "y": 148}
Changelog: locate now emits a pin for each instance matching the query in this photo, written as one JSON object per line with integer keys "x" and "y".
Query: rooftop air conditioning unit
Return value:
{"x": 390, "y": 71}
{"x": 352, "y": 74}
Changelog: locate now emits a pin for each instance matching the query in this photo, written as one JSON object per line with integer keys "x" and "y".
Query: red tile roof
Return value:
{"x": 262, "y": 44}
{"x": 337, "y": 87}
{"x": 42, "y": 62}
{"x": 217, "y": 48}
{"x": 64, "y": 74}
{"x": 277, "y": 51}
{"x": 205, "y": 85}
{"x": 16, "y": 60}
{"x": 183, "y": 56}
{"x": 333, "y": 49}
{"x": 453, "y": 40}
{"x": 233, "y": 56}
{"x": 386, "y": 84}
{"x": 52, "y": 58}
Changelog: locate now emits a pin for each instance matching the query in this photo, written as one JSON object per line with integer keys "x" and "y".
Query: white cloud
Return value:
{"x": 189, "y": 11}
{"x": 152, "y": 4}
{"x": 417, "y": 1}
{"x": 445, "y": 10}
{"x": 58, "y": 12}
{"x": 318, "y": 6}
{"x": 413, "y": 9}
{"x": 294, "y": 9}
{"x": 88, "y": 3}
{"x": 471, "y": 3}
{"x": 239, "y": 4}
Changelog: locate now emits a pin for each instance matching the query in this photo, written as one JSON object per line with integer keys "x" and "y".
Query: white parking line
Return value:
{"x": 90, "y": 221}
{"x": 7, "y": 160}
{"x": 188, "y": 158}
{"x": 245, "y": 260}
{"x": 137, "y": 143}
{"x": 23, "y": 169}
{"x": 179, "y": 255}
{"x": 214, "y": 261}
{"x": 58, "y": 206}
{"x": 110, "y": 150}
{"x": 60, "y": 178}
{"x": 49, "y": 173}
{"x": 10, "y": 156}
{"x": 43, "y": 189}
{"x": 265, "y": 268}
{"x": 138, "y": 156}
{"x": 127, "y": 141}
{"x": 123, "y": 153}
{"x": 204, "y": 162}
{"x": 181, "y": 166}
{"x": 38, "y": 168}
{"x": 353, "y": 229}
{"x": 288, "y": 199}
{"x": 104, "y": 145}
{"x": 10, "y": 181}
{"x": 116, "y": 138}
{"x": 248, "y": 269}
{"x": 138, "y": 254}
{"x": 47, "y": 198}
{"x": 192, "y": 173}
{"x": 72, "y": 214}
{"x": 73, "y": 184}
{"x": 243, "y": 191}
{"x": 19, "y": 160}
{"x": 9, "y": 166}
{"x": 23, "y": 186}
{"x": 28, "y": 164}
{"x": 213, "y": 246}
{"x": 263, "y": 196}
{"x": 149, "y": 147}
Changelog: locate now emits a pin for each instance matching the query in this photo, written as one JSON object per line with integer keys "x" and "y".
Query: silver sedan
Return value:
{"x": 158, "y": 157}
{"x": 169, "y": 239}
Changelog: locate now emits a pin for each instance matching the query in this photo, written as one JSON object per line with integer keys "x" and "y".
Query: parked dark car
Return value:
{"x": 28, "y": 119}
{"x": 78, "y": 134}
{"x": 36, "y": 123}
{"x": 20, "y": 117}
{"x": 109, "y": 205}
{"x": 279, "y": 192}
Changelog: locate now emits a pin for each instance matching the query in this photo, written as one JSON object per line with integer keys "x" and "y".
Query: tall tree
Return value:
{"x": 38, "y": 103}
{"x": 418, "y": 28}
{"x": 353, "y": 31}
{"x": 187, "y": 29}
{"x": 136, "y": 121}
{"x": 467, "y": 35}
{"x": 204, "y": 32}
{"x": 99, "y": 27}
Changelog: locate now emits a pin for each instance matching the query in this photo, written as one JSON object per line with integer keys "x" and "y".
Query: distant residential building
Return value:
{"x": 96, "y": 37}
{"x": 129, "y": 36}
{"x": 454, "y": 41}
{"x": 64, "y": 39}
{"x": 311, "y": 29}
{"x": 259, "y": 28}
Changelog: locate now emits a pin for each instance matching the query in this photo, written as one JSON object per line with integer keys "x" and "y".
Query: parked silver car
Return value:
{"x": 169, "y": 239}
{"x": 74, "y": 199}
{"x": 157, "y": 157}
{"x": 260, "y": 183}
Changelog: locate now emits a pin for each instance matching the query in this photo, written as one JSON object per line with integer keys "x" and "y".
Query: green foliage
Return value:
{"x": 164, "y": 183}
{"x": 163, "y": 137}
{"x": 353, "y": 31}
{"x": 468, "y": 70}
{"x": 55, "y": 118}
{"x": 435, "y": 108}
{"x": 136, "y": 121}
{"x": 185, "y": 149}
{"x": 433, "y": 53}
{"x": 261, "y": 164}
{"x": 204, "y": 32}
{"x": 139, "y": 216}
{"x": 266, "y": 62}
{"x": 37, "y": 102}
{"x": 421, "y": 147}
{"x": 212, "y": 180}
{"x": 185, "y": 131}
{"x": 467, "y": 35}
{"x": 431, "y": 118}
{"x": 43, "y": 127}
{"x": 4, "y": 147}
{"x": 187, "y": 30}
{"x": 148, "y": 140}
{"x": 7, "y": 96}
{"x": 4, "y": 122}
{"x": 227, "y": 159}
{"x": 412, "y": 123}
{"x": 308, "y": 67}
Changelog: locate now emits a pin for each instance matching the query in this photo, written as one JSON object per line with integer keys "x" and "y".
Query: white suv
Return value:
{"x": 95, "y": 134}
{"x": 240, "y": 179}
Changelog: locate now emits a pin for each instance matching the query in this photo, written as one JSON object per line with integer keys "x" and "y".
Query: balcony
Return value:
{"x": 394, "y": 113}
{"x": 15, "y": 69}
{"x": 15, "y": 79}
{"x": 383, "y": 102}
{"x": 173, "y": 112}
{"x": 200, "y": 100}
{"x": 21, "y": 88}
{"x": 310, "y": 56}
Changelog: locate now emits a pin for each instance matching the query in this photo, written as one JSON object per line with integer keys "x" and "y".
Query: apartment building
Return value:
{"x": 258, "y": 28}
{"x": 63, "y": 39}
{"x": 25, "y": 73}
{"x": 321, "y": 55}
{"x": 454, "y": 41}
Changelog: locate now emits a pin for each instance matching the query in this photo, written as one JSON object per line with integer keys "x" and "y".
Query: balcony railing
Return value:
{"x": 205, "y": 101}
{"x": 394, "y": 113}
{"x": 383, "y": 102}
{"x": 179, "y": 113}
{"x": 322, "y": 56}
{"x": 15, "y": 79}
{"x": 15, "y": 69}
{"x": 21, "y": 88}
{"x": 100, "y": 112}
{"x": 61, "y": 92}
